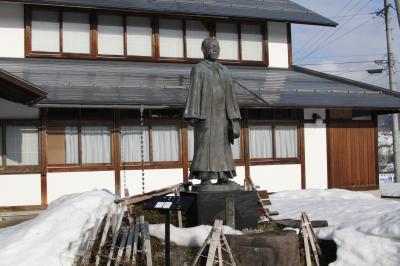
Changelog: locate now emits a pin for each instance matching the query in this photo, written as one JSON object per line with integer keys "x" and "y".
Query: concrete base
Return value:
{"x": 236, "y": 208}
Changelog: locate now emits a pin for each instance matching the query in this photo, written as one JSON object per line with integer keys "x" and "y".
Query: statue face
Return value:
{"x": 211, "y": 50}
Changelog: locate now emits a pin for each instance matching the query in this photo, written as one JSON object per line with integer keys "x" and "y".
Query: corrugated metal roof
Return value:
{"x": 93, "y": 82}
{"x": 278, "y": 10}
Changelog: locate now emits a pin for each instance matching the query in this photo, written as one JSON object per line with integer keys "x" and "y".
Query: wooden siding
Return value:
{"x": 352, "y": 154}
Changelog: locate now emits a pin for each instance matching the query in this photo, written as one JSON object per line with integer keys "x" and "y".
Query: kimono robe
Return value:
{"x": 212, "y": 103}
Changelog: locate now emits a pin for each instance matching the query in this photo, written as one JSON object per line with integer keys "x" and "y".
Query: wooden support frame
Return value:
{"x": 43, "y": 156}
{"x": 116, "y": 132}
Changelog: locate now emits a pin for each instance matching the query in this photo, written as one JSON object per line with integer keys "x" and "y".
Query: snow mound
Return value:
{"x": 365, "y": 228}
{"x": 188, "y": 237}
{"x": 54, "y": 237}
{"x": 390, "y": 189}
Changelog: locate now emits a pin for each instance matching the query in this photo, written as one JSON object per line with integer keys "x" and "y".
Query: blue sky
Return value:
{"x": 360, "y": 37}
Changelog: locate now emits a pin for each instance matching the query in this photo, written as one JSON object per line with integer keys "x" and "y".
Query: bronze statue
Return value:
{"x": 212, "y": 110}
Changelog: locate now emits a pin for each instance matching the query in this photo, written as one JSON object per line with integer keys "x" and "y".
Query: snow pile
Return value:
{"x": 390, "y": 190}
{"x": 54, "y": 237}
{"x": 365, "y": 228}
{"x": 188, "y": 237}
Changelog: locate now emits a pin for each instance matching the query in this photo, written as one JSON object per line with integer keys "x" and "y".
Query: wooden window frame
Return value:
{"x": 274, "y": 124}
{"x": 155, "y": 18}
{"x": 11, "y": 169}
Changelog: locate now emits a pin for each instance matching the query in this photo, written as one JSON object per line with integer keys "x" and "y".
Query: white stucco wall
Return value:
{"x": 11, "y": 110}
{"x": 276, "y": 178}
{"x": 59, "y": 184}
{"x": 315, "y": 148}
{"x": 12, "y": 30}
{"x": 278, "y": 45}
{"x": 19, "y": 190}
{"x": 154, "y": 179}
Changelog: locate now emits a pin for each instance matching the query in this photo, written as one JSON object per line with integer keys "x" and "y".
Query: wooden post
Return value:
{"x": 117, "y": 152}
{"x": 44, "y": 156}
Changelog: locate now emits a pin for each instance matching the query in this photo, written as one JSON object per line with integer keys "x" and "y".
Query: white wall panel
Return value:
{"x": 12, "y": 30}
{"x": 59, "y": 184}
{"x": 154, "y": 179}
{"x": 11, "y": 110}
{"x": 316, "y": 156}
{"x": 19, "y": 190}
{"x": 276, "y": 178}
{"x": 277, "y": 45}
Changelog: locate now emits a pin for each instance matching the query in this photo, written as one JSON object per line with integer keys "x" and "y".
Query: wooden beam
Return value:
{"x": 44, "y": 156}
{"x": 246, "y": 135}
{"x": 117, "y": 152}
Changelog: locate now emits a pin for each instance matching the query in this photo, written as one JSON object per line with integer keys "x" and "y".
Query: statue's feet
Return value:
{"x": 205, "y": 182}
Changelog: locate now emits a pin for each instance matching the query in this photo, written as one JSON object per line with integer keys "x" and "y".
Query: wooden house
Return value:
{"x": 76, "y": 75}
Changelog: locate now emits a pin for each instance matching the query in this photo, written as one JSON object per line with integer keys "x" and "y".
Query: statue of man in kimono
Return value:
{"x": 212, "y": 110}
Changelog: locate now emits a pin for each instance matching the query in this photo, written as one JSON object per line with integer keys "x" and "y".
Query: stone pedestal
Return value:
{"x": 236, "y": 208}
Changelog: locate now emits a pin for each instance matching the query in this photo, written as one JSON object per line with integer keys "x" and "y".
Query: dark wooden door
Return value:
{"x": 352, "y": 162}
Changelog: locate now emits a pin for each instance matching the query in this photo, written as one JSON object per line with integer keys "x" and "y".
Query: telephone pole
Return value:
{"x": 393, "y": 86}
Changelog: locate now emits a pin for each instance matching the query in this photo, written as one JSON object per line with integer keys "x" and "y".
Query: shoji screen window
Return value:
{"x": 286, "y": 141}
{"x": 131, "y": 144}
{"x": 139, "y": 36}
{"x": 171, "y": 38}
{"x": 196, "y": 32}
{"x": 45, "y": 31}
{"x": 228, "y": 37}
{"x": 76, "y": 32}
{"x": 96, "y": 144}
{"x": 110, "y": 34}
{"x": 165, "y": 143}
{"x": 252, "y": 42}
{"x": 260, "y": 143}
{"x": 62, "y": 143}
{"x": 22, "y": 145}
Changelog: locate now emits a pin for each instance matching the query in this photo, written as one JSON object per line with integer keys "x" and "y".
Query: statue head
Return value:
{"x": 210, "y": 48}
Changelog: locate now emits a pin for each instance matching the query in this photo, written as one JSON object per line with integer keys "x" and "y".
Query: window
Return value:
{"x": 196, "y": 32}
{"x": 252, "y": 42}
{"x": 62, "y": 143}
{"x": 260, "y": 142}
{"x": 76, "y": 32}
{"x": 97, "y": 34}
{"x": 171, "y": 38}
{"x": 228, "y": 37}
{"x": 45, "y": 31}
{"x": 139, "y": 36}
{"x": 1, "y": 147}
{"x": 22, "y": 145}
{"x": 236, "y": 147}
{"x": 131, "y": 144}
{"x": 165, "y": 143}
{"x": 96, "y": 144}
{"x": 273, "y": 141}
{"x": 110, "y": 35}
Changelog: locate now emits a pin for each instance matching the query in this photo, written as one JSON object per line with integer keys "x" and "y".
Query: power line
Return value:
{"x": 323, "y": 42}
{"x": 329, "y": 42}
{"x": 316, "y": 34}
{"x": 338, "y": 63}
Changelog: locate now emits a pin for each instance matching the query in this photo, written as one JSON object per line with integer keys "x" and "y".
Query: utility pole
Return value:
{"x": 393, "y": 87}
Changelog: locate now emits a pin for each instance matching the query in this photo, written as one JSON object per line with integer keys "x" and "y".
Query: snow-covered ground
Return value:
{"x": 365, "y": 228}
{"x": 53, "y": 238}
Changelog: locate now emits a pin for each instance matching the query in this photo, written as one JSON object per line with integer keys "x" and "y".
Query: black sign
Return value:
{"x": 169, "y": 203}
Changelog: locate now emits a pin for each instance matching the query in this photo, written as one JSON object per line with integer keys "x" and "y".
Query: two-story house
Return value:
{"x": 81, "y": 82}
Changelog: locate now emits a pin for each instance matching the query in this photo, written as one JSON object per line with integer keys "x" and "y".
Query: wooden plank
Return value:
{"x": 310, "y": 238}
{"x": 125, "y": 232}
{"x": 220, "y": 257}
{"x": 91, "y": 240}
{"x": 129, "y": 242}
{"x": 200, "y": 251}
{"x": 119, "y": 215}
{"x": 306, "y": 246}
{"x": 147, "y": 244}
{"x": 215, "y": 238}
{"x": 143, "y": 197}
{"x": 135, "y": 241}
{"x": 104, "y": 235}
{"x": 228, "y": 249}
